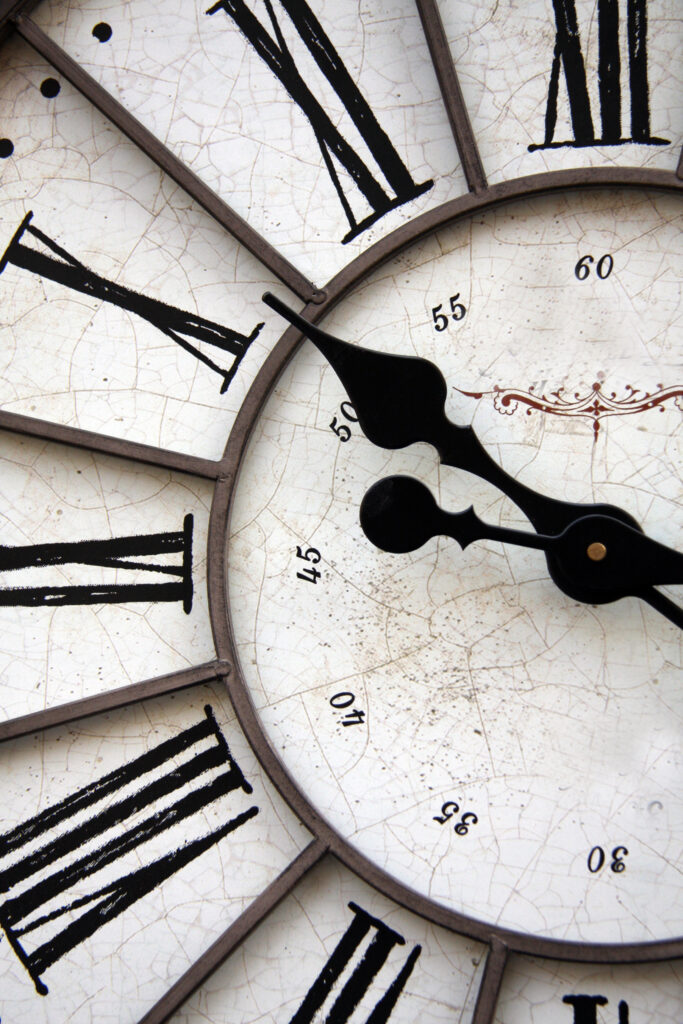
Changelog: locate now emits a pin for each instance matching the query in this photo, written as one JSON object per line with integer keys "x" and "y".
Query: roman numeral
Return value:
{"x": 70, "y": 842}
{"x": 128, "y": 553}
{"x": 586, "y": 1008}
{"x": 568, "y": 54}
{"x": 180, "y": 327}
{"x": 359, "y": 981}
{"x": 274, "y": 51}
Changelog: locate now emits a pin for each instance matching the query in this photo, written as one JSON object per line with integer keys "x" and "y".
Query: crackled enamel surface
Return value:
{"x": 201, "y": 88}
{"x": 510, "y": 753}
{"x": 271, "y": 978}
{"x": 126, "y": 961}
{"x": 86, "y": 361}
{"x": 394, "y": 684}
{"x": 52, "y": 653}
{"x": 503, "y": 53}
{"x": 546, "y": 992}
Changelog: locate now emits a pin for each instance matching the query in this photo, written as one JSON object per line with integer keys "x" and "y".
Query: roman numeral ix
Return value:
{"x": 54, "y": 899}
{"x": 274, "y": 51}
{"x": 568, "y": 53}
{"x": 180, "y": 327}
{"x": 128, "y": 553}
{"x": 362, "y": 976}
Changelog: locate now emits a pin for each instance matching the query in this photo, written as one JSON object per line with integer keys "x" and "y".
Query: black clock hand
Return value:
{"x": 600, "y": 558}
{"x": 400, "y": 399}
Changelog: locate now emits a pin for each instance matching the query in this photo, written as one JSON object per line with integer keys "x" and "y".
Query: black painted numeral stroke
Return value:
{"x": 586, "y": 1009}
{"x": 125, "y": 553}
{"x": 274, "y": 51}
{"x": 362, "y": 976}
{"x": 180, "y": 327}
{"x": 568, "y": 53}
{"x": 58, "y": 854}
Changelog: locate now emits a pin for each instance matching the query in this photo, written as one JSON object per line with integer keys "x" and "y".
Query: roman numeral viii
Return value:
{"x": 363, "y": 974}
{"x": 568, "y": 53}
{"x": 185, "y": 329}
{"x": 127, "y": 553}
{"x": 335, "y": 149}
{"x": 63, "y": 868}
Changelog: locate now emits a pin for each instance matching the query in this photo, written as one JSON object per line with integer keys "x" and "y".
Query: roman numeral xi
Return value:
{"x": 334, "y": 147}
{"x": 133, "y": 554}
{"x": 63, "y": 873}
{"x": 185, "y": 329}
{"x": 568, "y": 53}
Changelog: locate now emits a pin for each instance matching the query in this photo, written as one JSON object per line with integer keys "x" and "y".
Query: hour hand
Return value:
{"x": 401, "y": 399}
{"x": 598, "y": 558}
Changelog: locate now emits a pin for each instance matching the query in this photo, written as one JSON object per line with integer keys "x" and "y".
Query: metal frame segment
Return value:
{"x": 451, "y": 93}
{"x": 231, "y": 938}
{"x": 123, "y": 696}
{"x": 492, "y": 979}
{"x": 103, "y": 444}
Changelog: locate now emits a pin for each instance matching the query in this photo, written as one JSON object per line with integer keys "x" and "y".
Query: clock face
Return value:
{"x": 255, "y": 768}
{"x": 483, "y": 736}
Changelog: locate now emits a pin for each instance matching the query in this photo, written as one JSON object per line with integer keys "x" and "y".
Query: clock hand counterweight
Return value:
{"x": 400, "y": 399}
{"x": 601, "y": 559}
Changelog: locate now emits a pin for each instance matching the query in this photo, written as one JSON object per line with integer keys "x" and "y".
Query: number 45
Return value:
{"x": 310, "y": 573}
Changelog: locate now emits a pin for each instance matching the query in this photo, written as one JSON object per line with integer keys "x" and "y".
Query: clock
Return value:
{"x": 262, "y": 760}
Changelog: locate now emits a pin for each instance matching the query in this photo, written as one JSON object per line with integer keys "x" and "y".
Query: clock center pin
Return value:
{"x": 596, "y": 551}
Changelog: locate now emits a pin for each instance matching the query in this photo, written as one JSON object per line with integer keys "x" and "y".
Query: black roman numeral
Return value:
{"x": 586, "y": 1008}
{"x": 359, "y": 981}
{"x": 274, "y": 52}
{"x": 55, "y": 868}
{"x": 177, "y": 325}
{"x": 568, "y": 54}
{"x": 128, "y": 553}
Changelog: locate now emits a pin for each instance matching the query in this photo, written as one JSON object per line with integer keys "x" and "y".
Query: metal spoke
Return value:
{"x": 123, "y": 696}
{"x": 235, "y": 934}
{"x": 451, "y": 92}
{"x": 10, "y": 11}
{"x": 267, "y": 254}
{"x": 491, "y": 981}
{"x": 105, "y": 445}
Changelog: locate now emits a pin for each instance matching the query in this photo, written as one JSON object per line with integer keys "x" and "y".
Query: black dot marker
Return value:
{"x": 6, "y": 148}
{"x": 102, "y": 31}
{"x": 49, "y": 88}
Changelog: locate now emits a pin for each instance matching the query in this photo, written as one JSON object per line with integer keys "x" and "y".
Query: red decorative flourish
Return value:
{"x": 595, "y": 405}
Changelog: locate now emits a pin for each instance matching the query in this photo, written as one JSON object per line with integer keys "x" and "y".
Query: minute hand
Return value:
{"x": 401, "y": 399}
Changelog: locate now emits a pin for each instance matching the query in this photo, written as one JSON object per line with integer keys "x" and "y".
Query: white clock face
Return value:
{"x": 497, "y": 745}
{"x": 504, "y": 751}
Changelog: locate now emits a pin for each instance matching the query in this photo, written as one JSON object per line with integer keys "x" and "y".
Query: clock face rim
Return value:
{"x": 337, "y": 289}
